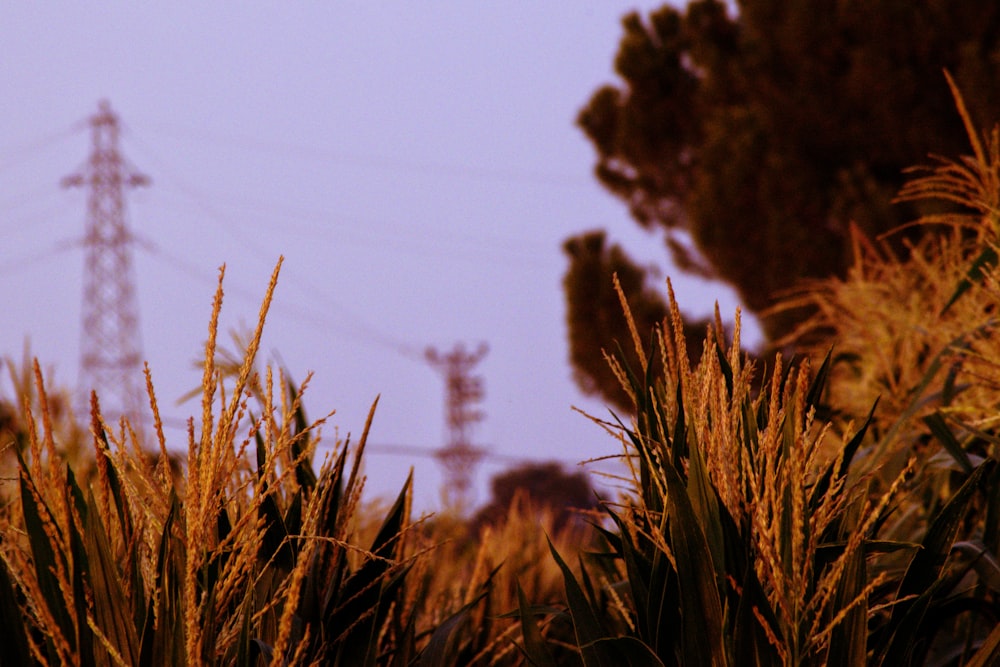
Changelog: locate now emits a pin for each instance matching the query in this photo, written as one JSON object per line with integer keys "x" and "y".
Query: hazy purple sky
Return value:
{"x": 417, "y": 164}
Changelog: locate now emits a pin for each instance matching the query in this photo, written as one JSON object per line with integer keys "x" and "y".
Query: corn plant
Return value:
{"x": 512, "y": 557}
{"x": 248, "y": 551}
{"x": 748, "y": 538}
{"x": 246, "y": 556}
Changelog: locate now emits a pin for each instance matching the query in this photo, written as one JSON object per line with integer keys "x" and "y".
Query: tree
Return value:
{"x": 596, "y": 317}
{"x": 544, "y": 485}
{"x": 755, "y": 140}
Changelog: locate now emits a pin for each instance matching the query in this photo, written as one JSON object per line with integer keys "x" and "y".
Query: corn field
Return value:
{"x": 836, "y": 507}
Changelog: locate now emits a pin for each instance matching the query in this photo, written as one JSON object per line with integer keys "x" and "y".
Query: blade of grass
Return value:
{"x": 45, "y": 554}
{"x": 922, "y": 579}
{"x": 535, "y": 648}
{"x": 939, "y": 429}
{"x": 702, "y": 630}
{"x": 586, "y": 621}
{"x": 14, "y": 649}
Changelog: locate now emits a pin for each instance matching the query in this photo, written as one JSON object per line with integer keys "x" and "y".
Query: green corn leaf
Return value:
{"x": 939, "y": 429}
{"x": 978, "y": 557}
{"x": 629, "y": 652}
{"x": 262, "y": 650}
{"x": 613, "y": 539}
{"x": 133, "y": 569}
{"x": 586, "y": 620}
{"x": 818, "y": 384}
{"x": 750, "y": 641}
{"x": 45, "y": 554}
{"x": 304, "y": 473}
{"x": 639, "y": 571}
{"x": 163, "y": 632}
{"x": 923, "y": 575}
{"x": 368, "y": 592}
{"x": 991, "y": 528}
{"x": 406, "y": 638}
{"x": 243, "y": 650}
{"x": 752, "y": 609}
{"x": 831, "y": 551}
{"x": 275, "y": 547}
{"x": 649, "y": 379}
{"x": 986, "y": 260}
{"x": 535, "y": 648}
{"x": 261, "y": 451}
{"x": 387, "y": 539}
{"x": 360, "y": 646}
{"x": 445, "y": 644}
{"x": 325, "y": 574}
{"x": 679, "y": 444}
{"x": 114, "y": 483}
{"x": 727, "y": 370}
{"x": 705, "y": 504}
{"x": 928, "y": 562}
{"x": 850, "y": 450}
{"x": 637, "y": 388}
{"x": 892, "y": 465}
{"x": 81, "y": 574}
{"x": 588, "y": 584}
{"x": 702, "y": 616}
{"x": 751, "y": 426}
{"x": 651, "y": 499}
{"x": 293, "y": 515}
{"x": 663, "y": 608}
{"x": 111, "y": 608}
{"x": 849, "y": 639}
{"x": 14, "y": 649}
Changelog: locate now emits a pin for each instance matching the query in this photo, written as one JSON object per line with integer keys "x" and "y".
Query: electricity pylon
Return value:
{"x": 459, "y": 457}
{"x": 110, "y": 356}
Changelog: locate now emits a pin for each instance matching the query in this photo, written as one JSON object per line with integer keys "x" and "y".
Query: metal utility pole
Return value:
{"x": 110, "y": 357}
{"x": 459, "y": 457}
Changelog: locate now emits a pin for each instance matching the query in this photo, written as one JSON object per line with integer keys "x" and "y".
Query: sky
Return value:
{"x": 416, "y": 164}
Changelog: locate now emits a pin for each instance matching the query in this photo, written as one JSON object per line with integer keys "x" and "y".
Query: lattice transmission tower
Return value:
{"x": 110, "y": 344}
{"x": 459, "y": 457}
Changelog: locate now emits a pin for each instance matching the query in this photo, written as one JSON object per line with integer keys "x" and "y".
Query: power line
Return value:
{"x": 349, "y": 326}
{"x": 375, "y": 162}
{"x": 110, "y": 336}
{"x": 16, "y": 264}
{"x": 410, "y": 238}
{"x": 435, "y": 453}
{"x": 16, "y": 156}
{"x": 363, "y": 330}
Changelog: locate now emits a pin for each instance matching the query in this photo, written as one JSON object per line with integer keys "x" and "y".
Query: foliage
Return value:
{"x": 538, "y": 487}
{"x": 142, "y": 568}
{"x": 594, "y": 319}
{"x": 248, "y": 554}
{"x": 847, "y": 515}
{"x": 24, "y": 377}
{"x": 493, "y": 563}
{"x": 762, "y": 534}
{"x": 921, "y": 332}
{"x": 753, "y": 539}
{"x": 897, "y": 319}
{"x": 754, "y": 139}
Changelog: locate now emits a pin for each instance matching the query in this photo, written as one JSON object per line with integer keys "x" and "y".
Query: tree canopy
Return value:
{"x": 544, "y": 485}
{"x": 755, "y": 139}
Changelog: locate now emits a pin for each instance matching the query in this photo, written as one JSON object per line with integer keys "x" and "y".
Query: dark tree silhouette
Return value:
{"x": 544, "y": 485}
{"x": 755, "y": 139}
{"x": 597, "y": 323}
